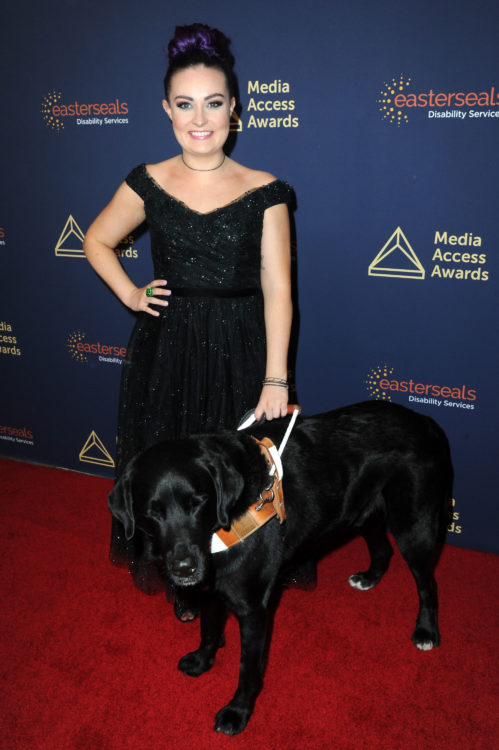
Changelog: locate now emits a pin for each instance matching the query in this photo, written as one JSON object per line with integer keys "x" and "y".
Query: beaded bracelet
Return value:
{"x": 275, "y": 381}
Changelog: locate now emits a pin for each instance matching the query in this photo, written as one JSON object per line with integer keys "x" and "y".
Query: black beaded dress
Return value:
{"x": 199, "y": 365}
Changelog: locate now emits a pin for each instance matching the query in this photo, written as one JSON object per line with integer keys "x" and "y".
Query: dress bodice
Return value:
{"x": 217, "y": 250}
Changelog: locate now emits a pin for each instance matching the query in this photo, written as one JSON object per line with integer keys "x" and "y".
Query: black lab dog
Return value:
{"x": 370, "y": 466}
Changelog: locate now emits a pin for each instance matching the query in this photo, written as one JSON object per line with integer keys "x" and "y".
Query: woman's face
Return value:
{"x": 200, "y": 109}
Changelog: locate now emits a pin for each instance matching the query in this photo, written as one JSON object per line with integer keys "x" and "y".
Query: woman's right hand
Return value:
{"x": 140, "y": 301}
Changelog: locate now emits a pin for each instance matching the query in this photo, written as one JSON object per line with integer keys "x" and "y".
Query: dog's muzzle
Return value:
{"x": 186, "y": 565}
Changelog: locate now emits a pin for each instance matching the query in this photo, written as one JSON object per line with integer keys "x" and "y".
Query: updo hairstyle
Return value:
{"x": 198, "y": 44}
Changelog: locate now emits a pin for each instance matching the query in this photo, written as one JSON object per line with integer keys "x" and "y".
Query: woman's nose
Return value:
{"x": 199, "y": 115}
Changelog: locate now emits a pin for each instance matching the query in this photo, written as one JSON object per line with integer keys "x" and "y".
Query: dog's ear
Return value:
{"x": 229, "y": 484}
{"x": 120, "y": 503}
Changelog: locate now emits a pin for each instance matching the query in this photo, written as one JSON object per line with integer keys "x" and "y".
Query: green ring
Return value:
{"x": 149, "y": 291}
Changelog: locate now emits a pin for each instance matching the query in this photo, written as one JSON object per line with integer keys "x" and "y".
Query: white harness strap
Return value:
{"x": 291, "y": 424}
{"x": 276, "y": 454}
{"x": 216, "y": 543}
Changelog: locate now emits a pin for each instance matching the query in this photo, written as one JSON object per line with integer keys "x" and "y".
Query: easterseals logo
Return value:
{"x": 454, "y": 257}
{"x": 49, "y": 105}
{"x": 84, "y": 351}
{"x": 373, "y": 379}
{"x": 17, "y": 435}
{"x": 57, "y": 112}
{"x": 386, "y": 103}
{"x": 396, "y": 103}
{"x": 382, "y": 384}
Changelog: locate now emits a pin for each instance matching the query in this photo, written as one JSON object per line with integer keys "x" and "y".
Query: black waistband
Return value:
{"x": 199, "y": 292}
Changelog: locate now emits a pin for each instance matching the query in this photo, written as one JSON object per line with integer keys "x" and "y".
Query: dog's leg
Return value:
{"x": 420, "y": 561}
{"x": 213, "y": 616}
{"x": 235, "y": 715}
{"x": 380, "y": 551}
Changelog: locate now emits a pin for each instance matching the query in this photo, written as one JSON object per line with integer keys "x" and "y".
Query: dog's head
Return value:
{"x": 180, "y": 492}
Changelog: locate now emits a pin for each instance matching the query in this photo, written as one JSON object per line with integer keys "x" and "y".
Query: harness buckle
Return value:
{"x": 265, "y": 500}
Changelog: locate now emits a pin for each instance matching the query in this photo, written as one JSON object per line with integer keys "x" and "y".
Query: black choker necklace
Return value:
{"x": 202, "y": 170}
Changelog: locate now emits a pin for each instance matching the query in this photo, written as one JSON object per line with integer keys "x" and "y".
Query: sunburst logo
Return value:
{"x": 372, "y": 382}
{"x": 75, "y": 338}
{"x": 48, "y": 102}
{"x": 386, "y": 103}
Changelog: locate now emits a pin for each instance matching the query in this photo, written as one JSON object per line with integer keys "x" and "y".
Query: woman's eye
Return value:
{"x": 183, "y": 105}
{"x": 215, "y": 104}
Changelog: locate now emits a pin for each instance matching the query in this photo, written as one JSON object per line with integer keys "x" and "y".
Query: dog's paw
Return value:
{"x": 361, "y": 582}
{"x": 231, "y": 720}
{"x": 425, "y": 641}
{"x": 196, "y": 663}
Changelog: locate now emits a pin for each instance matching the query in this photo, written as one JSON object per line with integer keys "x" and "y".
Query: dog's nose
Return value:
{"x": 184, "y": 567}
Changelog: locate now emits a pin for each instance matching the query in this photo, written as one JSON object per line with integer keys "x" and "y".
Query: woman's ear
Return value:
{"x": 167, "y": 108}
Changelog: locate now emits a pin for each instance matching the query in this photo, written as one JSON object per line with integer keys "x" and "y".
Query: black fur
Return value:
{"x": 370, "y": 466}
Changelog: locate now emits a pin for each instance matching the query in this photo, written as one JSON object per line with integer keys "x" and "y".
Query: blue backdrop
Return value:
{"x": 384, "y": 118}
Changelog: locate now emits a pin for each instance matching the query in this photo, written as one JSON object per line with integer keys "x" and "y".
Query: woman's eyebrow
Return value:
{"x": 191, "y": 99}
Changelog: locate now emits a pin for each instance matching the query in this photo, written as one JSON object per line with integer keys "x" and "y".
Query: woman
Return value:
{"x": 212, "y": 335}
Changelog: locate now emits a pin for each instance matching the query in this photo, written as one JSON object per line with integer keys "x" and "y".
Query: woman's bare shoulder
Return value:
{"x": 161, "y": 170}
{"x": 252, "y": 178}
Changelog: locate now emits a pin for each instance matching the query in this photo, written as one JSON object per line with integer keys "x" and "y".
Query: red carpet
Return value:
{"x": 90, "y": 662}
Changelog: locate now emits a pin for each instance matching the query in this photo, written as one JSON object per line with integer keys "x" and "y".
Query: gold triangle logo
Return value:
{"x": 71, "y": 235}
{"x": 95, "y": 452}
{"x": 397, "y": 259}
{"x": 236, "y": 124}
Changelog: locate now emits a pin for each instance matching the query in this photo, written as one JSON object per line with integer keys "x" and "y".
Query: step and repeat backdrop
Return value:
{"x": 384, "y": 117}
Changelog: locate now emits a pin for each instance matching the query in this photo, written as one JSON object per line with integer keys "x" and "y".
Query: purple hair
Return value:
{"x": 199, "y": 44}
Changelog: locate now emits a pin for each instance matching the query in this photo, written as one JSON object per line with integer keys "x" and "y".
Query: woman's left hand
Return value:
{"x": 273, "y": 402}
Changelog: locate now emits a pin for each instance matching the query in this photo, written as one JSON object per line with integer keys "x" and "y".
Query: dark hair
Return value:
{"x": 198, "y": 44}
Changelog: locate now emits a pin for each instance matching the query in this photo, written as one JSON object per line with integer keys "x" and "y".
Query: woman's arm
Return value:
{"x": 276, "y": 287}
{"x": 123, "y": 214}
